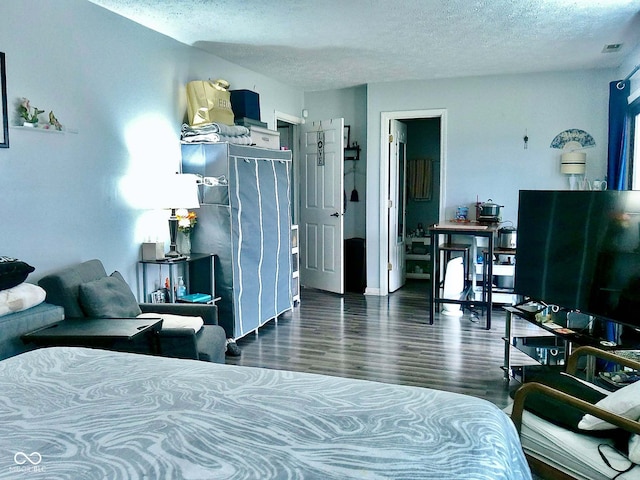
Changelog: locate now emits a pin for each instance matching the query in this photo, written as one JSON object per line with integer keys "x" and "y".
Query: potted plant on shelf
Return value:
{"x": 28, "y": 113}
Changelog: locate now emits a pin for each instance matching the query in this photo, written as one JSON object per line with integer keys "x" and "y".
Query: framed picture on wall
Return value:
{"x": 346, "y": 134}
{"x": 4, "y": 131}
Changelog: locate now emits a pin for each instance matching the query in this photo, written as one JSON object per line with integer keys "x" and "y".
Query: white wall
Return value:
{"x": 350, "y": 104}
{"x": 486, "y": 121}
{"x": 121, "y": 86}
{"x": 631, "y": 61}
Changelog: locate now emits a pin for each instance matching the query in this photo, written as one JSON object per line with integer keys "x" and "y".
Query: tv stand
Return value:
{"x": 549, "y": 344}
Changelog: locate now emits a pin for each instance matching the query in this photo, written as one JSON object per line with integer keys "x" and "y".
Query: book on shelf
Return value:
{"x": 195, "y": 298}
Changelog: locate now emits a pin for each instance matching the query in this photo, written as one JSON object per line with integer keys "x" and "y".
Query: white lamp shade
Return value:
{"x": 178, "y": 191}
{"x": 573, "y": 163}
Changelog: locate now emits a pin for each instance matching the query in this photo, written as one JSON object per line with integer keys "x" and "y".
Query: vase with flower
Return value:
{"x": 28, "y": 113}
{"x": 186, "y": 223}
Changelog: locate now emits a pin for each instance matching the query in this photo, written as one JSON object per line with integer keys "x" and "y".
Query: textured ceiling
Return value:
{"x": 326, "y": 44}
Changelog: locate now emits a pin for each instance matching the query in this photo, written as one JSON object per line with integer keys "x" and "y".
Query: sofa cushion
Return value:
{"x": 14, "y": 325}
{"x": 63, "y": 286}
{"x": 13, "y": 272}
{"x": 176, "y": 321}
{"x": 20, "y": 297}
{"x": 557, "y": 411}
{"x": 625, "y": 402}
{"x": 108, "y": 297}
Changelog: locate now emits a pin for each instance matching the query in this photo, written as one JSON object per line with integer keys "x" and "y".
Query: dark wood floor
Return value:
{"x": 385, "y": 339}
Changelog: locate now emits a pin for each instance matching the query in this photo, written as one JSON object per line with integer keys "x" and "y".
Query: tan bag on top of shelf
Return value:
{"x": 209, "y": 102}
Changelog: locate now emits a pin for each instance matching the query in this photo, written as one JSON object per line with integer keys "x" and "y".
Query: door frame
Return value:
{"x": 398, "y": 206}
{"x": 295, "y": 158}
{"x": 385, "y": 119}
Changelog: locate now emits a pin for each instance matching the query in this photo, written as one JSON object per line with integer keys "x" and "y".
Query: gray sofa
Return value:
{"x": 65, "y": 288}
{"x": 14, "y": 325}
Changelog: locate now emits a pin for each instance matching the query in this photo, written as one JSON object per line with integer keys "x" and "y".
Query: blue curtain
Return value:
{"x": 617, "y": 165}
{"x": 618, "y": 131}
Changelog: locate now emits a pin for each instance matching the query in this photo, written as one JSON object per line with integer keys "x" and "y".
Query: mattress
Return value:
{"x": 548, "y": 443}
{"x": 68, "y": 413}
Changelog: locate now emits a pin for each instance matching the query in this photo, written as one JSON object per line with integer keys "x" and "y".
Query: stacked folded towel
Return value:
{"x": 215, "y": 133}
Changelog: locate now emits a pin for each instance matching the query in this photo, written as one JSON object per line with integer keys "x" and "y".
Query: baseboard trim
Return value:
{"x": 373, "y": 291}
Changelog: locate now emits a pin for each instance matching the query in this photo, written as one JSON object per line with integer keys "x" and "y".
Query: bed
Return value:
{"x": 68, "y": 412}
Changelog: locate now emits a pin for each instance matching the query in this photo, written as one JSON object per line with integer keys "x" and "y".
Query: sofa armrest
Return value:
{"x": 531, "y": 387}
{"x": 178, "y": 343}
{"x": 208, "y": 313}
{"x": 572, "y": 362}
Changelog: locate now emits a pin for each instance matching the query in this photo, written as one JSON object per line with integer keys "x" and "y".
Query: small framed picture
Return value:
{"x": 347, "y": 134}
{"x": 4, "y": 128}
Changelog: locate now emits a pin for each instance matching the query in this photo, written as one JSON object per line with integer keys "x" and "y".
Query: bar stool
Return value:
{"x": 448, "y": 249}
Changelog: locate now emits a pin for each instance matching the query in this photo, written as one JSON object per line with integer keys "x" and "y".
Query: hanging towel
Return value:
{"x": 419, "y": 176}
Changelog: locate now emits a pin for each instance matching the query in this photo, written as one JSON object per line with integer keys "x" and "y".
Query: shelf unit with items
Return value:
{"x": 295, "y": 265}
{"x": 540, "y": 339}
{"x": 503, "y": 275}
{"x": 198, "y": 274}
{"x": 418, "y": 257}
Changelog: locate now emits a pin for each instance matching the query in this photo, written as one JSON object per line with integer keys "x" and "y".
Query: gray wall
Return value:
{"x": 121, "y": 87}
{"x": 486, "y": 119}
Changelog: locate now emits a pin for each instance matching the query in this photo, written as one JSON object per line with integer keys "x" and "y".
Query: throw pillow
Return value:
{"x": 176, "y": 321}
{"x": 20, "y": 297}
{"x": 108, "y": 297}
{"x": 624, "y": 402}
{"x": 13, "y": 272}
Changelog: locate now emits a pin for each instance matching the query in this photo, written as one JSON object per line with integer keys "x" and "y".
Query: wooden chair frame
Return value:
{"x": 537, "y": 465}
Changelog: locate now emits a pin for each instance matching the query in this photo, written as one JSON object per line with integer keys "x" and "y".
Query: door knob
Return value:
{"x": 335, "y": 214}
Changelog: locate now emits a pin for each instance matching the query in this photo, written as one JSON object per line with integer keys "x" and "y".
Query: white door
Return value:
{"x": 397, "y": 204}
{"x": 322, "y": 205}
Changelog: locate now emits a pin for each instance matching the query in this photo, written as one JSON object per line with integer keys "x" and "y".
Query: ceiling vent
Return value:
{"x": 612, "y": 48}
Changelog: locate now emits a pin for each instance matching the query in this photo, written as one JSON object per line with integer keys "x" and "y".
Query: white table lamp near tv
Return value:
{"x": 573, "y": 164}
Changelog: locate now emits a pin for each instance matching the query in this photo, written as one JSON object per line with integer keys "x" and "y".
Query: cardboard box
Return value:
{"x": 152, "y": 251}
{"x": 262, "y": 137}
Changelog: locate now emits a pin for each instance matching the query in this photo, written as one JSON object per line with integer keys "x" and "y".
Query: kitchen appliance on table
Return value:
{"x": 507, "y": 238}
{"x": 488, "y": 212}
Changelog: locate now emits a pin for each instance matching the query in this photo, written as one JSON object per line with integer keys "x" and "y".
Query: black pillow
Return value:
{"x": 13, "y": 272}
{"x": 559, "y": 412}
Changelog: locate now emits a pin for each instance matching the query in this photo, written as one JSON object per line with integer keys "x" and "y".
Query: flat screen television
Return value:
{"x": 580, "y": 250}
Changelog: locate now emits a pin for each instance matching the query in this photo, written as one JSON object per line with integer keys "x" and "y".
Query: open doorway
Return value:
{"x": 425, "y": 197}
{"x": 289, "y": 128}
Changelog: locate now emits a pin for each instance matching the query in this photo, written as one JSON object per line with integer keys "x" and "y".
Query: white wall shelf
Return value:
{"x": 43, "y": 130}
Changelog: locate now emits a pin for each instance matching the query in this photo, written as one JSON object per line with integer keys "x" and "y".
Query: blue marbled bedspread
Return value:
{"x": 75, "y": 413}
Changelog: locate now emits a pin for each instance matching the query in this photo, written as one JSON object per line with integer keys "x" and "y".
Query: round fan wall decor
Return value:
{"x": 573, "y": 135}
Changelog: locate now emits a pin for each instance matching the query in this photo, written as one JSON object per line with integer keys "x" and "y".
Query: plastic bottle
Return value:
{"x": 182, "y": 290}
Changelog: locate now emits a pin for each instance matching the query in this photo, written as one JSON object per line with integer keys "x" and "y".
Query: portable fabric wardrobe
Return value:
{"x": 245, "y": 220}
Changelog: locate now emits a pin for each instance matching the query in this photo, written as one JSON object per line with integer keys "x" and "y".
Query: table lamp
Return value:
{"x": 572, "y": 164}
{"x": 178, "y": 191}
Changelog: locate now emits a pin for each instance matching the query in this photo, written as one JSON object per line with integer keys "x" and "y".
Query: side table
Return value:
{"x": 97, "y": 332}
{"x": 199, "y": 274}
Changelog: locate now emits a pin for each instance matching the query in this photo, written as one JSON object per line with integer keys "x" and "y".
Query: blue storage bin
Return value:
{"x": 245, "y": 103}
